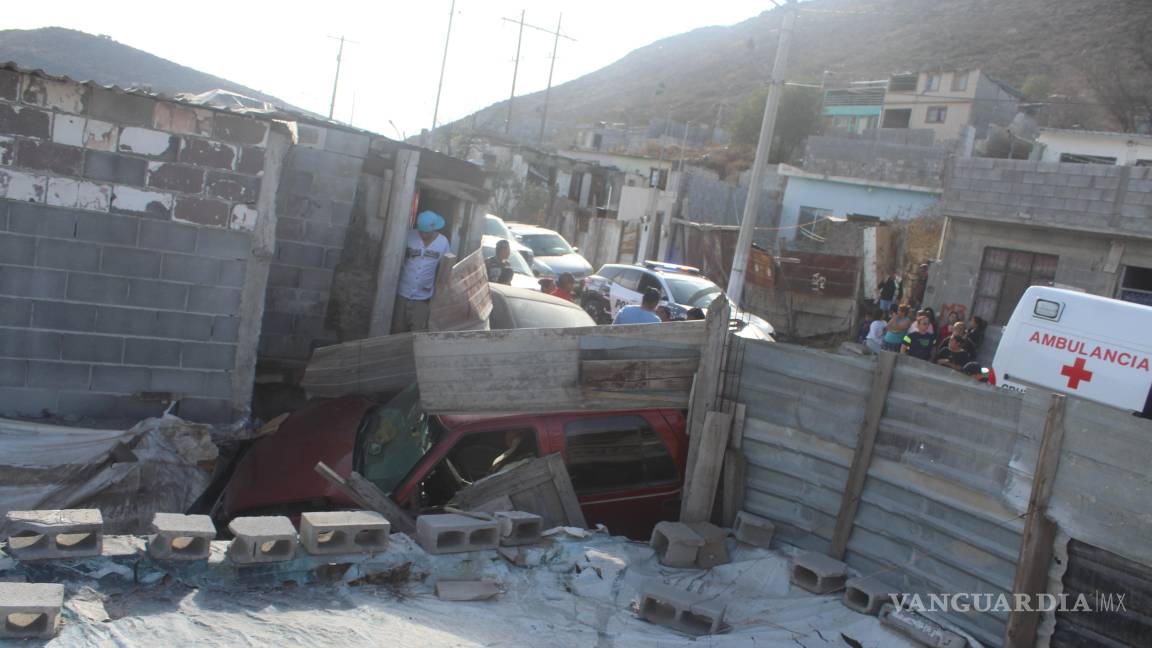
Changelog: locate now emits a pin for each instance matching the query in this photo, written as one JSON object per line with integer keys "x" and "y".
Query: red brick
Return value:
{"x": 22, "y": 120}
{"x": 251, "y": 160}
{"x": 231, "y": 186}
{"x": 207, "y": 153}
{"x": 202, "y": 211}
{"x": 49, "y": 156}
{"x": 177, "y": 177}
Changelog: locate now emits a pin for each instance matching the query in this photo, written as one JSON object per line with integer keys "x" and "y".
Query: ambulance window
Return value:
{"x": 1047, "y": 309}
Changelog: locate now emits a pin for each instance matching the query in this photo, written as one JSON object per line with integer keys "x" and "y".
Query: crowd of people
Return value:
{"x": 953, "y": 343}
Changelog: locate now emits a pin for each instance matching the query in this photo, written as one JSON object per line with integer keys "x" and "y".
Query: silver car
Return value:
{"x": 552, "y": 255}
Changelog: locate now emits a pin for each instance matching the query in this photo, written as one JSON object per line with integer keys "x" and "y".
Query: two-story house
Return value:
{"x": 947, "y": 102}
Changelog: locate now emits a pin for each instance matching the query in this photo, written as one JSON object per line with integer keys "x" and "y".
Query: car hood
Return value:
{"x": 524, "y": 281}
{"x": 573, "y": 263}
{"x": 281, "y": 467}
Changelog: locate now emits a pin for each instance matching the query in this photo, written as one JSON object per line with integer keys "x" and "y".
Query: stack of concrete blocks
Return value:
{"x": 867, "y": 595}
{"x": 30, "y": 610}
{"x": 681, "y": 610}
{"x": 697, "y": 544}
{"x": 125, "y": 236}
{"x": 181, "y": 537}
{"x": 818, "y": 573}
{"x": 519, "y": 527}
{"x": 344, "y": 532}
{"x": 753, "y": 529}
{"x": 919, "y": 628}
{"x": 453, "y": 533}
{"x": 262, "y": 540}
{"x": 60, "y": 534}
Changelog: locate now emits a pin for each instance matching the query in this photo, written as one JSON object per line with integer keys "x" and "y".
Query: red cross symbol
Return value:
{"x": 1075, "y": 373}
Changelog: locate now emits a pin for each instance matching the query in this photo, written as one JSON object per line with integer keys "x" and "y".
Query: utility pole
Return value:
{"x": 336, "y": 82}
{"x": 752, "y": 204}
{"x": 548, "y": 91}
{"x": 443, "y": 63}
{"x": 515, "y": 70}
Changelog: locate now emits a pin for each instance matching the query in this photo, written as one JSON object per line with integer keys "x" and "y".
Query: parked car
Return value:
{"x": 552, "y": 255}
{"x": 522, "y": 276}
{"x": 681, "y": 288}
{"x": 523, "y": 308}
{"x": 627, "y": 467}
{"x": 495, "y": 226}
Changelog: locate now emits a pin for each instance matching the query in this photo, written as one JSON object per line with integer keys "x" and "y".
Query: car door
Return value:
{"x": 623, "y": 471}
{"x": 649, "y": 280}
{"x": 624, "y": 290}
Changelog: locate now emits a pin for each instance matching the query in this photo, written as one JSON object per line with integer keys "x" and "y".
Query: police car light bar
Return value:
{"x": 671, "y": 267}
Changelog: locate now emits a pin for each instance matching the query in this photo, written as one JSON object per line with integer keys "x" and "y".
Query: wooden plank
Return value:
{"x": 365, "y": 493}
{"x": 380, "y": 364}
{"x": 462, "y": 301}
{"x": 704, "y": 397}
{"x": 562, "y": 481}
{"x": 541, "y": 486}
{"x": 1039, "y": 531}
{"x": 703, "y": 477}
{"x": 396, "y": 227}
{"x": 739, "y": 414}
{"x": 862, "y": 457}
{"x": 732, "y": 496}
{"x": 618, "y": 375}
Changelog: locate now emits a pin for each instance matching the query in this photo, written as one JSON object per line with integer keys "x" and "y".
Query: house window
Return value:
{"x": 936, "y": 114}
{"x": 658, "y": 178}
{"x": 897, "y": 117}
{"x": 1137, "y": 285}
{"x": 1004, "y": 276}
{"x": 1086, "y": 159}
{"x": 932, "y": 83}
{"x": 809, "y": 217}
{"x": 959, "y": 81}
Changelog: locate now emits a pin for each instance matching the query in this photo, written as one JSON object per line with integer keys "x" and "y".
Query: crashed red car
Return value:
{"x": 627, "y": 467}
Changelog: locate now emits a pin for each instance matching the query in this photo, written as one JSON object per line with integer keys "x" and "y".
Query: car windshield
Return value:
{"x": 546, "y": 244}
{"x": 493, "y": 227}
{"x": 538, "y": 313}
{"x": 519, "y": 265}
{"x": 392, "y": 439}
{"x": 691, "y": 291}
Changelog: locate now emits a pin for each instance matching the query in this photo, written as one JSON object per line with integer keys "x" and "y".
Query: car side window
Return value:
{"x": 648, "y": 281}
{"x": 628, "y": 279}
{"x": 616, "y": 453}
{"x": 609, "y": 273}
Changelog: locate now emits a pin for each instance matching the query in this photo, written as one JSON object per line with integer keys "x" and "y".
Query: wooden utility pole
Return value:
{"x": 763, "y": 147}
{"x": 443, "y": 63}
{"x": 336, "y": 82}
{"x": 556, "y": 35}
{"x": 515, "y": 69}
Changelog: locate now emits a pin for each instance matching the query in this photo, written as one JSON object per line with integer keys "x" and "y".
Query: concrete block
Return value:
{"x": 344, "y": 532}
{"x": 158, "y": 235}
{"x": 64, "y": 316}
{"x": 289, "y": 229}
{"x": 176, "y": 177}
{"x": 23, "y": 187}
{"x": 17, "y": 250}
{"x": 19, "y": 343}
{"x": 919, "y": 628}
{"x": 477, "y": 590}
{"x": 213, "y": 299}
{"x": 91, "y": 348}
{"x": 49, "y": 156}
{"x": 9, "y": 85}
{"x": 239, "y": 129}
{"x": 131, "y": 262}
{"x": 157, "y": 294}
{"x": 32, "y": 282}
{"x": 519, "y": 527}
{"x": 150, "y": 143}
{"x": 7, "y": 150}
{"x": 120, "y": 379}
{"x": 24, "y": 120}
{"x": 181, "y": 119}
{"x": 218, "y": 384}
{"x": 99, "y": 135}
{"x": 202, "y": 211}
{"x": 190, "y": 269}
{"x": 15, "y": 312}
{"x": 753, "y": 529}
{"x": 713, "y": 552}
{"x": 339, "y": 141}
{"x": 317, "y": 279}
{"x": 300, "y": 254}
{"x": 109, "y": 406}
{"x": 251, "y": 160}
{"x": 311, "y": 136}
{"x": 262, "y": 540}
{"x": 181, "y": 537}
{"x": 110, "y": 228}
{"x": 58, "y": 374}
{"x": 223, "y": 244}
{"x": 818, "y": 573}
{"x": 117, "y": 106}
{"x": 203, "y": 355}
{"x": 152, "y": 353}
{"x": 452, "y": 533}
{"x": 232, "y": 273}
{"x": 129, "y": 321}
{"x": 13, "y": 373}
{"x": 231, "y": 186}
{"x": 30, "y": 610}
{"x": 225, "y": 329}
{"x": 680, "y": 610}
{"x": 110, "y": 167}
{"x": 207, "y": 153}
{"x": 56, "y": 534}
{"x": 676, "y": 544}
{"x": 180, "y": 383}
{"x": 867, "y": 595}
{"x": 243, "y": 218}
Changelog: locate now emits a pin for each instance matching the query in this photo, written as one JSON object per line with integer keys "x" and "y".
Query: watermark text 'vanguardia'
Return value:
{"x": 989, "y": 602}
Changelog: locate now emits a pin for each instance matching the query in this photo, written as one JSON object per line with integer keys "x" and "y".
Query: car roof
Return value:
{"x": 530, "y": 229}
{"x": 531, "y": 295}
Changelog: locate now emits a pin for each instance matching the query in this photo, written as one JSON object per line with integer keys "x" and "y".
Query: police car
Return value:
{"x": 681, "y": 288}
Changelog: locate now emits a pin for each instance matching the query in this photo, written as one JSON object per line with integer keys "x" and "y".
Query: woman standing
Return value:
{"x": 897, "y": 328}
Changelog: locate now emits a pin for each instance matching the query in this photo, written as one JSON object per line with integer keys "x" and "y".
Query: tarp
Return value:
{"x": 161, "y": 464}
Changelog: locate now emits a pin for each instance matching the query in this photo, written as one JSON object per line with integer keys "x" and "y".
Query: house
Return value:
{"x": 1097, "y": 147}
{"x": 947, "y": 102}
{"x": 1016, "y": 223}
{"x": 855, "y": 108}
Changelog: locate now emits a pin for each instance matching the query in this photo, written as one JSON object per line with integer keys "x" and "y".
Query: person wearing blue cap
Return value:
{"x": 424, "y": 249}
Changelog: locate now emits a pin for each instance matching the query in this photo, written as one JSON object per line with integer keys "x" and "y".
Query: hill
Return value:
{"x": 85, "y": 57}
{"x": 699, "y": 73}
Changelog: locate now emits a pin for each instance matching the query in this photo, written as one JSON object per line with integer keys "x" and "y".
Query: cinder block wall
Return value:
{"x": 874, "y": 160}
{"x": 125, "y": 229}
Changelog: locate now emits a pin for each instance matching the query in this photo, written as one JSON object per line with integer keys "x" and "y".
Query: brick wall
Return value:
{"x": 125, "y": 230}
{"x": 876, "y": 160}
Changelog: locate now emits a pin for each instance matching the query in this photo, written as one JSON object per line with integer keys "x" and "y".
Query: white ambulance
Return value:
{"x": 1093, "y": 347}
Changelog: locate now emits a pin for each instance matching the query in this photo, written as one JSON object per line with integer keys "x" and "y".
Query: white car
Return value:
{"x": 495, "y": 226}
{"x": 522, "y": 276}
{"x": 682, "y": 288}
{"x": 552, "y": 255}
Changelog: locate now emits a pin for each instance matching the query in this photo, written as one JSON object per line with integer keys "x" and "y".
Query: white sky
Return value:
{"x": 282, "y": 48}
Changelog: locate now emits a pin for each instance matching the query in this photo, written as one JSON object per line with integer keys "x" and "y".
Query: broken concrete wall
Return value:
{"x": 126, "y": 233}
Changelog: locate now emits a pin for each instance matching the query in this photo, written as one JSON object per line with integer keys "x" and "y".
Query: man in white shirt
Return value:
{"x": 423, "y": 250}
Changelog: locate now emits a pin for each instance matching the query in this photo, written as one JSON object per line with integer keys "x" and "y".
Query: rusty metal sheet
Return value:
{"x": 826, "y": 275}
{"x": 760, "y": 269}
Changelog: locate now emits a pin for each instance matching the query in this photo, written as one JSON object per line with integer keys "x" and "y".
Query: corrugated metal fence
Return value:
{"x": 941, "y": 509}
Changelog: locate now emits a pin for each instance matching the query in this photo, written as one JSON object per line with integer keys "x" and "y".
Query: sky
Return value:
{"x": 389, "y": 75}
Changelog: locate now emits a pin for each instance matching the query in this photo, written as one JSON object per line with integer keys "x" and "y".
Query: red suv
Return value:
{"x": 627, "y": 467}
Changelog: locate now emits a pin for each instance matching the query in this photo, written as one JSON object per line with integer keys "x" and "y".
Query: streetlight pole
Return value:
{"x": 767, "y": 126}
{"x": 443, "y": 63}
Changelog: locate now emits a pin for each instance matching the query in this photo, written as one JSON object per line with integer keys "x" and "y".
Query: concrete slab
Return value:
{"x": 919, "y": 628}
{"x": 713, "y": 552}
{"x": 344, "y": 532}
{"x": 54, "y": 534}
{"x": 478, "y": 590}
{"x": 181, "y": 537}
{"x": 818, "y": 573}
{"x": 676, "y": 544}
{"x": 680, "y": 610}
{"x": 519, "y": 527}
{"x": 453, "y": 533}
{"x": 262, "y": 540}
{"x": 753, "y": 529}
{"x": 30, "y": 610}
